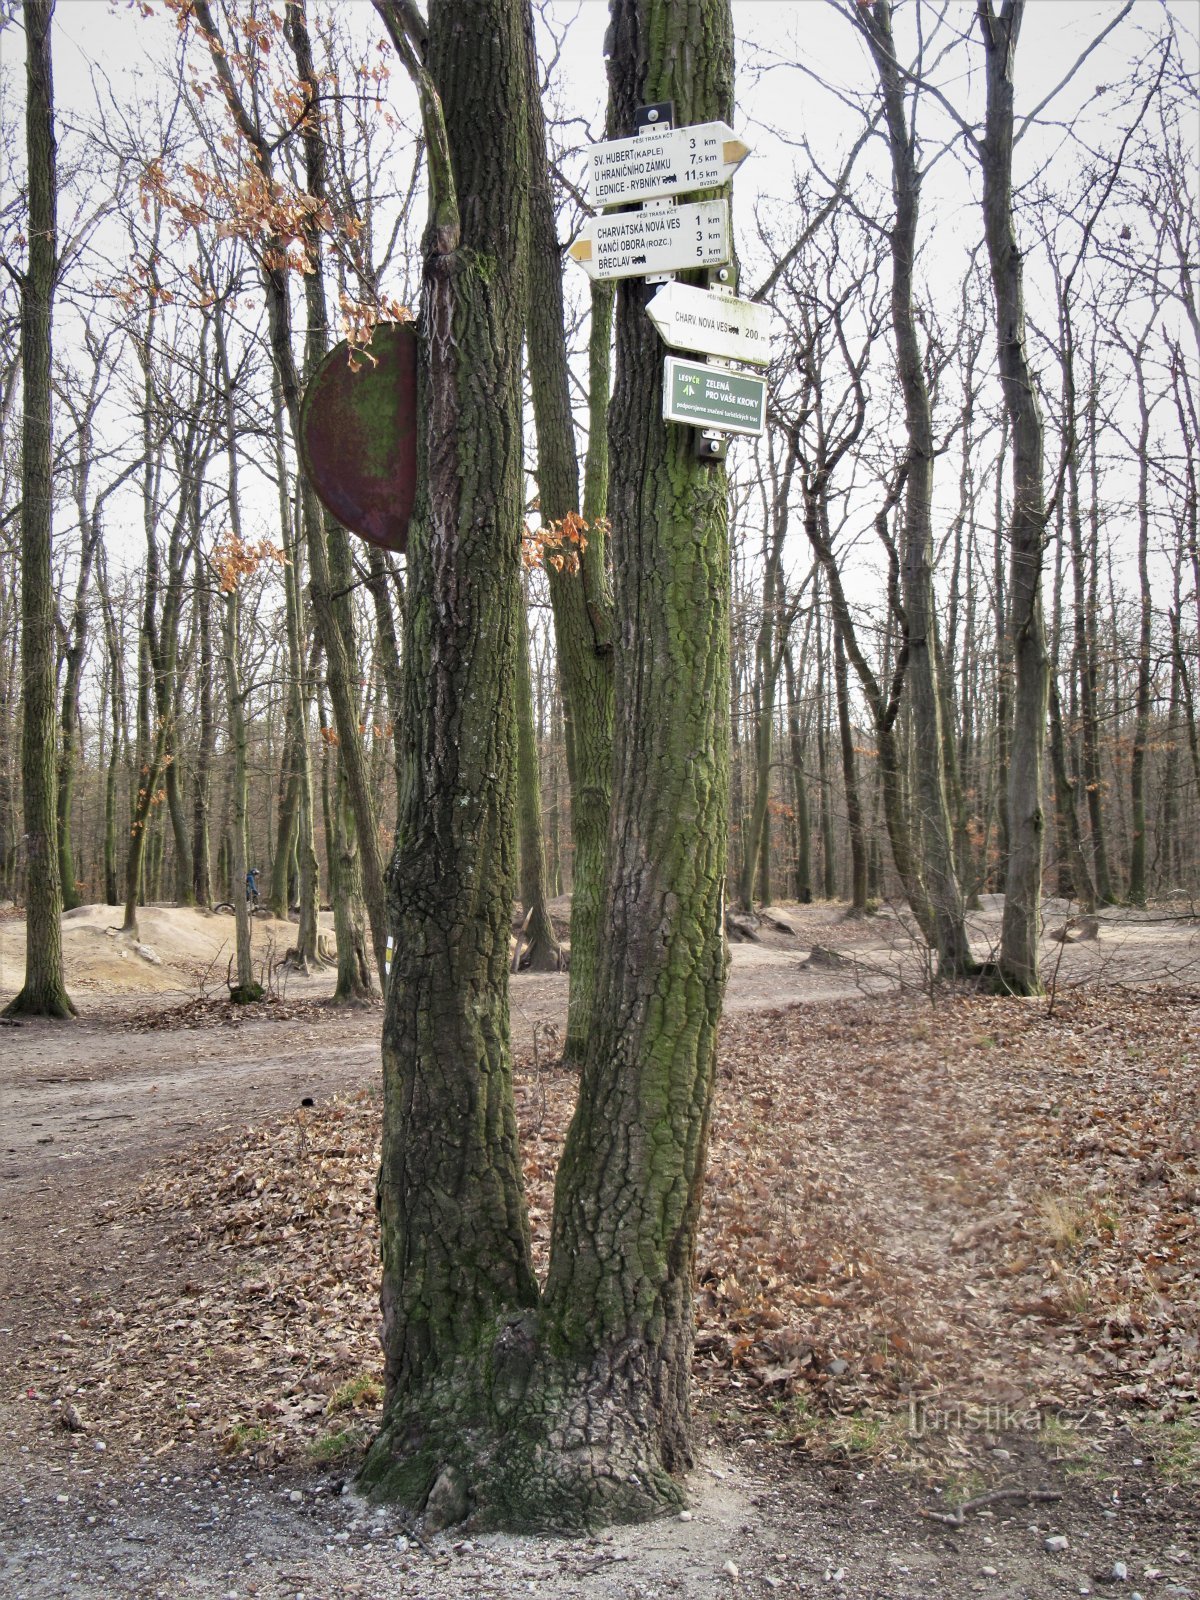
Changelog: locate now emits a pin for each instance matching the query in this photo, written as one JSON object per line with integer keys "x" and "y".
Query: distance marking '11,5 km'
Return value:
{"x": 636, "y": 244}
{"x": 654, "y": 166}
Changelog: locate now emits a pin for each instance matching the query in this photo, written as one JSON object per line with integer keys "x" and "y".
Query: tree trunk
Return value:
{"x": 72, "y": 673}
{"x": 1019, "y": 961}
{"x": 328, "y": 551}
{"x": 541, "y": 951}
{"x": 43, "y": 992}
{"x": 202, "y": 776}
{"x": 828, "y": 857}
{"x": 579, "y": 600}
{"x": 307, "y": 946}
{"x": 618, "y": 1295}
{"x": 802, "y": 827}
{"x": 924, "y": 690}
{"x": 854, "y": 811}
{"x": 579, "y": 1413}
{"x": 456, "y": 1258}
{"x": 345, "y": 881}
{"x": 244, "y": 990}
{"x": 1141, "y": 725}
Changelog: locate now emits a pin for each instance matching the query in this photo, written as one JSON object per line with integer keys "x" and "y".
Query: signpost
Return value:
{"x": 637, "y": 244}
{"x": 656, "y": 165}
{"x": 714, "y": 397}
{"x": 715, "y": 324}
{"x": 662, "y": 238}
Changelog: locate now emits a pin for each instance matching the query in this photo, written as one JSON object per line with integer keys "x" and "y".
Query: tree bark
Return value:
{"x": 580, "y": 600}
{"x": 803, "y": 849}
{"x": 43, "y": 992}
{"x": 577, "y": 1413}
{"x": 924, "y": 690}
{"x": 537, "y": 945}
{"x": 854, "y": 810}
{"x": 456, "y": 1257}
{"x": 202, "y": 775}
{"x": 245, "y": 990}
{"x": 1019, "y": 962}
{"x": 618, "y": 1294}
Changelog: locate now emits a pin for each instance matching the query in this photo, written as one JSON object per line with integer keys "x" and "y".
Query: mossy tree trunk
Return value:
{"x": 456, "y": 1258}
{"x": 617, "y": 1315}
{"x": 43, "y": 993}
{"x": 577, "y": 1412}
{"x": 580, "y": 600}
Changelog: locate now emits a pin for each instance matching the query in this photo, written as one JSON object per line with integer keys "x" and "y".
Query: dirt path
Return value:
{"x": 901, "y": 1159}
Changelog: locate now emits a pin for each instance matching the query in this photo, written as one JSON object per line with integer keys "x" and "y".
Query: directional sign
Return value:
{"x": 634, "y": 244}
{"x": 713, "y": 397}
{"x": 656, "y": 165}
{"x": 717, "y": 324}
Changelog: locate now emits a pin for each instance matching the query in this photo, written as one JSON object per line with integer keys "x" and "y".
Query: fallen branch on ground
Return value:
{"x": 957, "y": 1517}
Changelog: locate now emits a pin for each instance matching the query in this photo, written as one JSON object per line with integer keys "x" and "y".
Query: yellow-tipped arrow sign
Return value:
{"x": 639, "y": 244}
{"x": 655, "y": 166}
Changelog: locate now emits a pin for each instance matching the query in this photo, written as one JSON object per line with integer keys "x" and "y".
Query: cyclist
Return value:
{"x": 252, "y": 888}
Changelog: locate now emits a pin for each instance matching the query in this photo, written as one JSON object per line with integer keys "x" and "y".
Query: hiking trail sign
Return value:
{"x": 638, "y": 244}
{"x": 656, "y": 165}
{"x": 714, "y": 324}
{"x": 714, "y": 397}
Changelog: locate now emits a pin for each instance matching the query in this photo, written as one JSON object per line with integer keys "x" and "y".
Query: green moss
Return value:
{"x": 1175, "y": 1446}
{"x": 337, "y": 1445}
{"x": 362, "y": 1390}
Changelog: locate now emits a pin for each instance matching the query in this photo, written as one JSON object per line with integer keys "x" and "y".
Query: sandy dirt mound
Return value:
{"x": 179, "y": 948}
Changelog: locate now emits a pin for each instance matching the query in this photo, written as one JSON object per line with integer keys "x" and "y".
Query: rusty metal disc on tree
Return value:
{"x": 358, "y": 434}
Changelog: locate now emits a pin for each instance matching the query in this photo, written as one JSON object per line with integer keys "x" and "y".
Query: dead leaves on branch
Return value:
{"x": 234, "y": 559}
{"x": 982, "y": 1206}
{"x": 559, "y": 544}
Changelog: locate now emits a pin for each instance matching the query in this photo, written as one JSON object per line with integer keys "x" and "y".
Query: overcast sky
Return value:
{"x": 799, "y": 62}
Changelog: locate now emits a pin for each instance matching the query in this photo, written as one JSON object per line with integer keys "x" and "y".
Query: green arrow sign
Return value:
{"x": 713, "y": 397}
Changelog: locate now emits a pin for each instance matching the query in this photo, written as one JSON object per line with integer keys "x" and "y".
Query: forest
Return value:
{"x": 618, "y": 714}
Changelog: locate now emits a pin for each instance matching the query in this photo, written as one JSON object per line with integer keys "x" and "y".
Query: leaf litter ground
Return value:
{"x": 931, "y": 1236}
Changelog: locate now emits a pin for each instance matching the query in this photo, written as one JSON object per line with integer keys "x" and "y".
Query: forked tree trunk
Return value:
{"x": 578, "y": 1412}
{"x": 43, "y": 992}
{"x": 924, "y": 690}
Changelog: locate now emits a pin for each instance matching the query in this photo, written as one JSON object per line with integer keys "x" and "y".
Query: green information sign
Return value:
{"x": 713, "y": 397}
